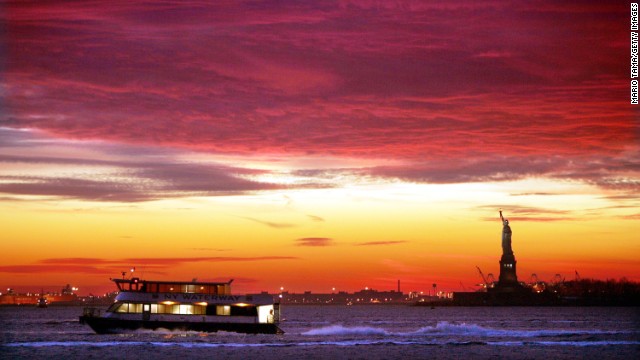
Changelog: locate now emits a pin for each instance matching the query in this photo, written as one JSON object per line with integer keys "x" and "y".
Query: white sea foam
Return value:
{"x": 445, "y": 328}
{"x": 342, "y": 330}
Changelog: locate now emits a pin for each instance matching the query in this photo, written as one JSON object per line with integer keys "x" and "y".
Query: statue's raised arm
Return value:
{"x": 501, "y": 217}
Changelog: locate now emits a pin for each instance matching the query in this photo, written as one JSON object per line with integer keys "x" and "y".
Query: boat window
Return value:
{"x": 170, "y": 288}
{"x": 244, "y": 311}
{"x": 120, "y": 307}
{"x": 135, "y": 308}
{"x": 190, "y": 289}
{"x": 152, "y": 287}
{"x": 223, "y": 310}
{"x": 125, "y": 286}
{"x": 266, "y": 314}
{"x": 113, "y": 307}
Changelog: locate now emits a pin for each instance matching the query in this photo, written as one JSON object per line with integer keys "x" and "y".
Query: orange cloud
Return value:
{"x": 314, "y": 241}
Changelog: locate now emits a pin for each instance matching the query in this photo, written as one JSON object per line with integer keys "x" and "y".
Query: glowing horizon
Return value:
{"x": 315, "y": 146}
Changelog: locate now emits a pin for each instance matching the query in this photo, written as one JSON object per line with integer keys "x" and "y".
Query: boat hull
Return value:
{"x": 103, "y": 325}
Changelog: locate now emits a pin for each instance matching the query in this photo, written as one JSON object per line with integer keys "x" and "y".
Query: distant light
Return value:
{"x": 281, "y": 288}
{"x": 280, "y": 296}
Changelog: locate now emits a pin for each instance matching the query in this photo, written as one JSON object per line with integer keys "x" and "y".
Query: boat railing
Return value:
{"x": 275, "y": 317}
{"x": 91, "y": 312}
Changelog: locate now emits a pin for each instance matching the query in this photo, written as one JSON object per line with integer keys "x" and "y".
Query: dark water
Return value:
{"x": 356, "y": 332}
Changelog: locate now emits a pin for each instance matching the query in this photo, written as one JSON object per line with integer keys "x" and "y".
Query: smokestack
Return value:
{"x": 398, "y": 285}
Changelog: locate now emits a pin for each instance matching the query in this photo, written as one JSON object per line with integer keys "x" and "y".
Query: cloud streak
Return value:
{"x": 314, "y": 241}
{"x": 149, "y": 175}
{"x": 379, "y": 243}
{"x": 271, "y": 224}
{"x": 111, "y": 266}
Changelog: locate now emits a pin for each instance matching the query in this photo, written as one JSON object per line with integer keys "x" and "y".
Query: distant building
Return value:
{"x": 365, "y": 296}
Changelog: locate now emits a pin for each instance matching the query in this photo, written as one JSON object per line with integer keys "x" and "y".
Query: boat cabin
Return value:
{"x": 192, "y": 287}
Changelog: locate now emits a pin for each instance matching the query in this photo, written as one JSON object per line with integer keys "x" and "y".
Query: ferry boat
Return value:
{"x": 42, "y": 302}
{"x": 187, "y": 306}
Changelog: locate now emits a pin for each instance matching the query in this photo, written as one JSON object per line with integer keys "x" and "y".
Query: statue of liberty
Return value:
{"x": 506, "y": 236}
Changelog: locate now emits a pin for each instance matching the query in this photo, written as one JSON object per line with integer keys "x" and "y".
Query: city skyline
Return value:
{"x": 341, "y": 145}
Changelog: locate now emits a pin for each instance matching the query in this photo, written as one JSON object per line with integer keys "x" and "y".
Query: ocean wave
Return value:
{"x": 445, "y": 328}
{"x": 564, "y": 343}
{"x": 342, "y": 343}
{"x": 345, "y": 343}
{"x": 342, "y": 330}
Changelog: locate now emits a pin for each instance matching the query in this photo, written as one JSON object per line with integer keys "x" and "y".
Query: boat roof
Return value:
{"x": 193, "y": 282}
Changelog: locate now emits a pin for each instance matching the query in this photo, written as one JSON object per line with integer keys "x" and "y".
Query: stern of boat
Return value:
{"x": 89, "y": 313}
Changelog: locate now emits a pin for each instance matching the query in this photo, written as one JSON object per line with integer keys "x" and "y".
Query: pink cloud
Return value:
{"x": 460, "y": 92}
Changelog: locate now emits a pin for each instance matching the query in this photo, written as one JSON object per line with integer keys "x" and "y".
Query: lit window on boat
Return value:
{"x": 129, "y": 308}
{"x": 223, "y": 310}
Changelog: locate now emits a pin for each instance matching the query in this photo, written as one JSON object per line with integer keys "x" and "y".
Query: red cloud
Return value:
{"x": 538, "y": 85}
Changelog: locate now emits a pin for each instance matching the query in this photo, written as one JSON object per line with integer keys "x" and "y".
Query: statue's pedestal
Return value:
{"x": 508, "y": 280}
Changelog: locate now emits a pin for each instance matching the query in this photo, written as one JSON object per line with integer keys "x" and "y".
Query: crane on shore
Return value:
{"x": 485, "y": 283}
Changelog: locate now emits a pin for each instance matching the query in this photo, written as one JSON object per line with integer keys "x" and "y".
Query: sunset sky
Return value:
{"x": 315, "y": 145}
